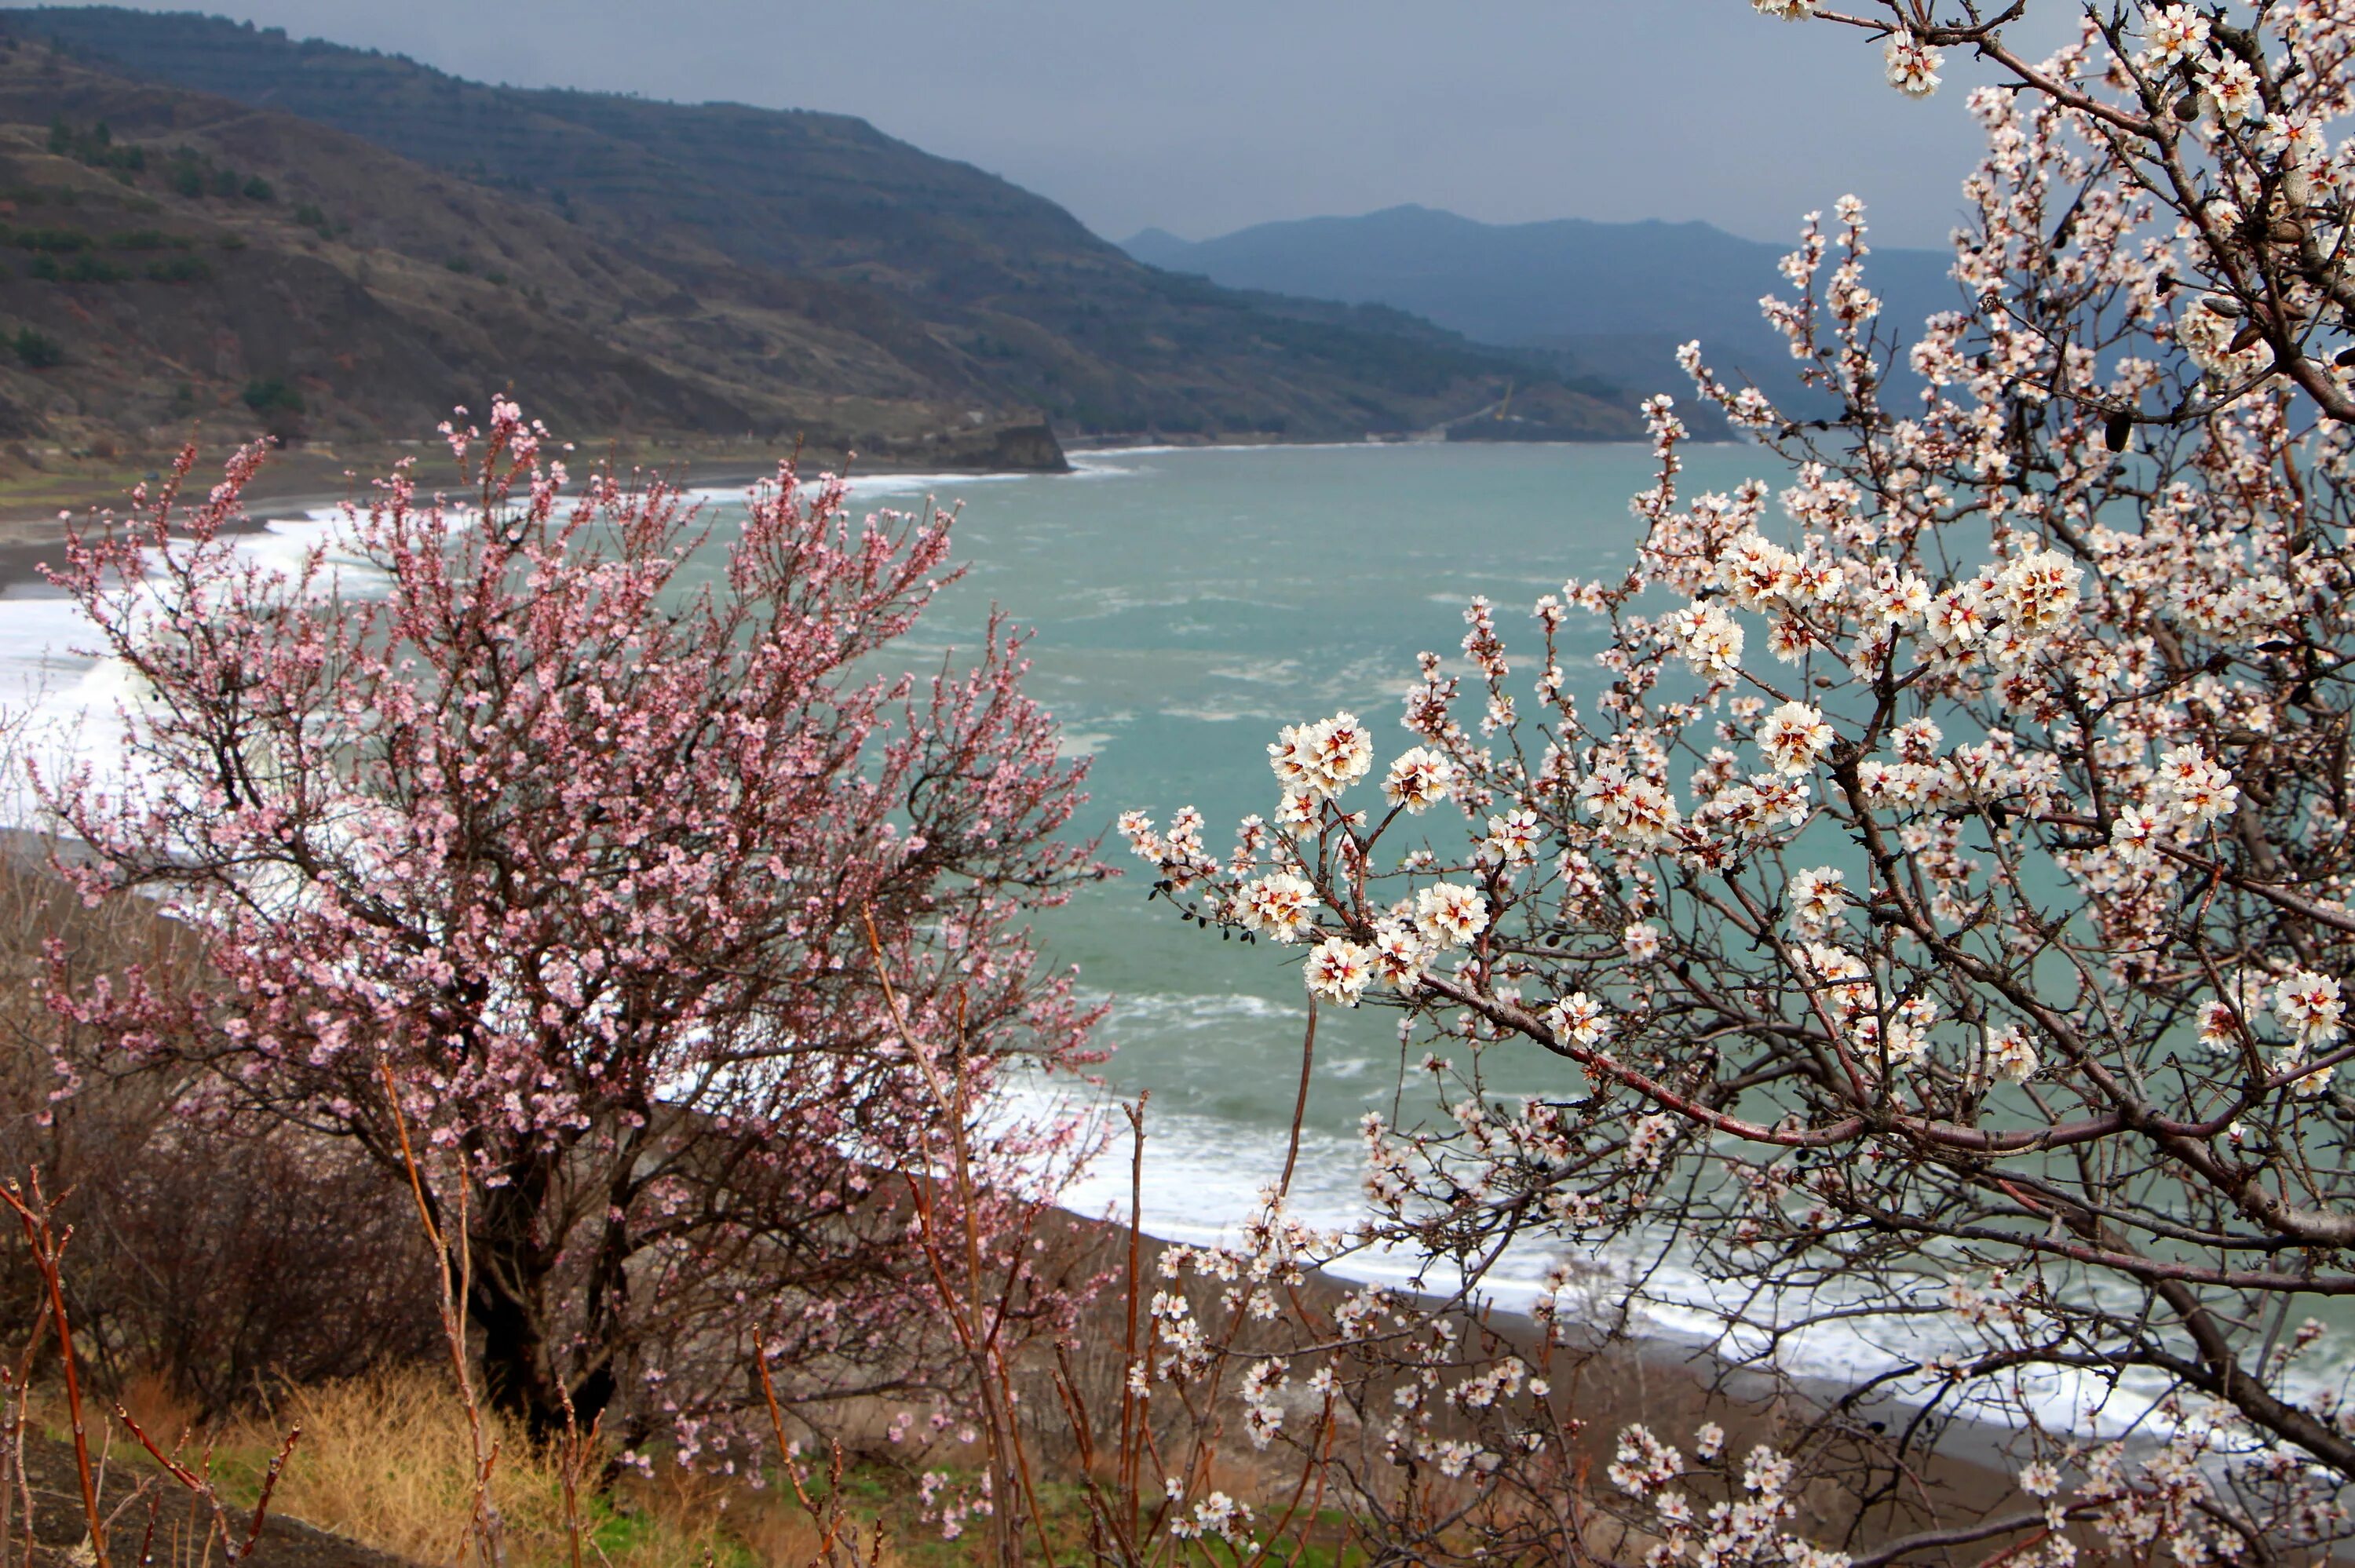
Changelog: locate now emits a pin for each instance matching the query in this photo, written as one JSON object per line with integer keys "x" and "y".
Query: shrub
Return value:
{"x": 56, "y": 241}
{"x": 216, "y": 1252}
{"x": 272, "y": 394}
{"x": 37, "y": 350}
{"x": 180, "y": 269}
{"x": 88, "y": 269}
{"x": 96, "y": 147}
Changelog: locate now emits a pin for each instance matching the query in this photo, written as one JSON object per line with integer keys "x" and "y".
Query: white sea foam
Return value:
{"x": 1205, "y": 1176}
{"x": 865, "y": 487}
{"x": 73, "y": 697}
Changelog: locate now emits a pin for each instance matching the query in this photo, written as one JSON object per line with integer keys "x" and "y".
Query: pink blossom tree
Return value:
{"x": 566, "y": 846}
{"x": 1940, "y": 903}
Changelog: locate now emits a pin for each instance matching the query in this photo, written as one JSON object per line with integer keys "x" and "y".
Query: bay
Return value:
{"x": 1187, "y": 604}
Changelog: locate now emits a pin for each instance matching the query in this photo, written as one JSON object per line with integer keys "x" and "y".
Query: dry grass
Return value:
{"x": 387, "y": 1460}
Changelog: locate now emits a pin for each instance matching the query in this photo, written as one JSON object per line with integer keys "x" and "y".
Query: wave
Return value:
{"x": 1204, "y": 1177}
{"x": 73, "y": 697}
{"x": 1192, "y": 1011}
{"x": 861, "y": 486}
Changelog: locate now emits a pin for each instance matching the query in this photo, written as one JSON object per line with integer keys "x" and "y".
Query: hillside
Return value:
{"x": 174, "y": 258}
{"x": 969, "y": 286}
{"x": 1617, "y": 296}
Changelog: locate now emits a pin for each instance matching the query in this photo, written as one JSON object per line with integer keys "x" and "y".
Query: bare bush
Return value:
{"x": 218, "y": 1254}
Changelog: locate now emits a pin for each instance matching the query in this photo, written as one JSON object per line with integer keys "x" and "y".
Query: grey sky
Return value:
{"x": 1206, "y": 115}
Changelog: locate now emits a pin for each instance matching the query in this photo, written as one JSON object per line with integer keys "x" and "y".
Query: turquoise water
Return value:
{"x": 1187, "y": 604}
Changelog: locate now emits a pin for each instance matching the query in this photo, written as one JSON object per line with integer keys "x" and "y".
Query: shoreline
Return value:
{"x": 306, "y": 480}
{"x": 1667, "y": 1382}
{"x": 1684, "y": 1356}
{"x": 288, "y": 486}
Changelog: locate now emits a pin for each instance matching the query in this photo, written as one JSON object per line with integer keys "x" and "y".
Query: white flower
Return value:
{"x": 2302, "y": 146}
{"x": 1907, "y": 1045}
{"x": 1419, "y": 779}
{"x": 2220, "y": 1026}
{"x": 1642, "y": 941}
{"x": 1816, "y": 897}
{"x": 2009, "y": 1053}
{"x": 1513, "y": 837}
{"x": 1955, "y": 620}
{"x": 1627, "y": 806}
{"x": 1912, "y": 67}
{"x": 1261, "y": 1422}
{"x": 1793, "y": 736}
{"x": 2172, "y": 36}
{"x": 2199, "y": 790}
{"x": 1708, "y": 639}
{"x": 1579, "y": 1018}
{"x": 2313, "y": 1083}
{"x": 2040, "y": 1480}
{"x": 1318, "y": 761}
{"x": 1399, "y": 953}
{"x": 1917, "y": 740}
{"x": 2039, "y": 591}
{"x": 1753, "y": 570}
{"x": 2231, "y": 87}
{"x": 1766, "y": 1472}
{"x": 2133, "y": 837}
{"x": 1648, "y": 1141}
{"x": 1785, "y": 10}
{"x": 1450, "y": 913}
{"x": 1218, "y": 1515}
{"x": 1277, "y": 906}
{"x": 1338, "y": 971}
{"x": 2310, "y": 1007}
{"x": 1143, "y": 841}
{"x": 1643, "y": 1462}
{"x": 2208, "y": 338}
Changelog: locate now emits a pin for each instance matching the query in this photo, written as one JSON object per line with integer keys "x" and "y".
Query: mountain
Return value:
{"x": 176, "y": 259}
{"x": 1617, "y": 296}
{"x": 788, "y": 259}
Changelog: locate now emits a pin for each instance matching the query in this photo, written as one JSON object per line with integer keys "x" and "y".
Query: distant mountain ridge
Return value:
{"x": 1617, "y": 296}
{"x": 824, "y": 260}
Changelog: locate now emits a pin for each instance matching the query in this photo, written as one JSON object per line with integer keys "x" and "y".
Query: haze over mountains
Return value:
{"x": 1618, "y": 297}
{"x": 417, "y": 239}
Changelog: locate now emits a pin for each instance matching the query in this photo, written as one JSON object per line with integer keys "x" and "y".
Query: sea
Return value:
{"x": 1183, "y": 604}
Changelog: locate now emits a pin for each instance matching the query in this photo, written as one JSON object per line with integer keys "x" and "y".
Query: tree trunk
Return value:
{"x": 506, "y": 1301}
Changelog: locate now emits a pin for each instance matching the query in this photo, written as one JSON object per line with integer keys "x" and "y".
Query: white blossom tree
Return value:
{"x": 1939, "y": 905}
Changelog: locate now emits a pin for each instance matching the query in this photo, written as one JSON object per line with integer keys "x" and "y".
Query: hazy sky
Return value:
{"x": 1204, "y": 115}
